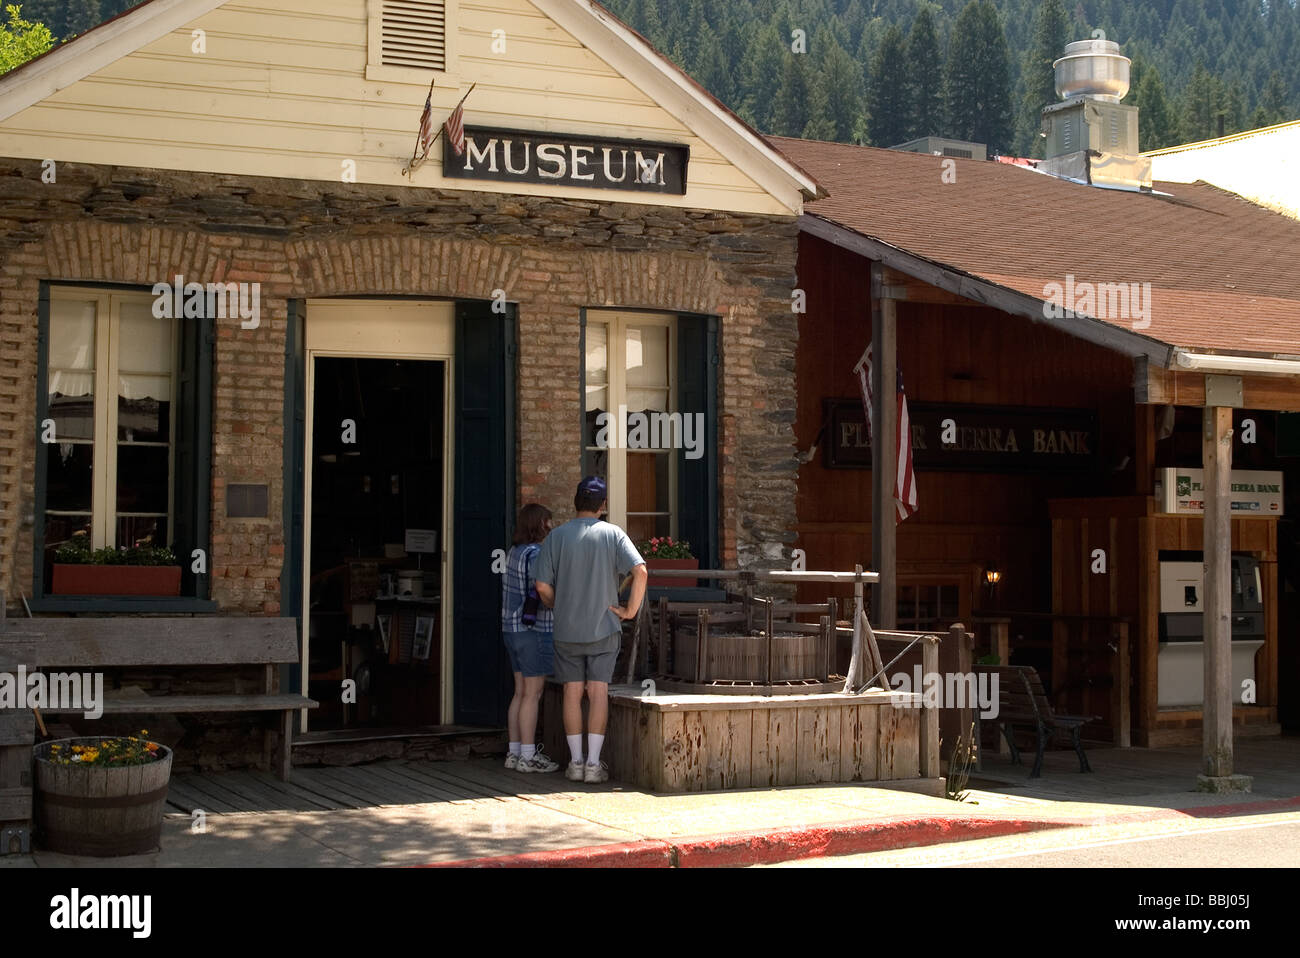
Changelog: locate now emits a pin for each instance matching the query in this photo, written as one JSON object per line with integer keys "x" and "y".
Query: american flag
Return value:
{"x": 455, "y": 127}
{"x": 426, "y": 126}
{"x": 905, "y": 483}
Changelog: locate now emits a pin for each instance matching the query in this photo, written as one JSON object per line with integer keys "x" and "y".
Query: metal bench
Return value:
{"x": 123, "y": 642}
{"x": 1022, "y": 702}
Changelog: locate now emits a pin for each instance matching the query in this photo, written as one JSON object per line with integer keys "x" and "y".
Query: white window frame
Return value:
{"x": 378, "y": 71}
{"x": 103, "y": 506}
{"x": 616, "y": 323}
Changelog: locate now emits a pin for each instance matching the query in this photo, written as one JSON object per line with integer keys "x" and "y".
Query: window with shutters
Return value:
{"x": 409, "y": 40}
{"x": 124, "y": 427}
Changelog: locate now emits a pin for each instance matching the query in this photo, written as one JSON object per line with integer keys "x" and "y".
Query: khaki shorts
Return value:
{"x": 589, "y": 661}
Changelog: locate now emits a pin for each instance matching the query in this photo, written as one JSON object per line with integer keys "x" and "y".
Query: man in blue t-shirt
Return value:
{"x": 578, "y": 572}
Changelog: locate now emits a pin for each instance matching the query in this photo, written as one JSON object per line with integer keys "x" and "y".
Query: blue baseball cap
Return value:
{"x": 593, "y": 486}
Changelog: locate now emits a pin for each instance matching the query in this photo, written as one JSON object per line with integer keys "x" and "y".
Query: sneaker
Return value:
{"x": 538, "y": 763}
{"x": 574, "y": 772}
{"x": 512, "y": 760}
{"x": 593, "y": 774}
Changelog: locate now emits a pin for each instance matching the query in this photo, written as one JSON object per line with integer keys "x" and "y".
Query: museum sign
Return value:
{"x": 601, "y": 163}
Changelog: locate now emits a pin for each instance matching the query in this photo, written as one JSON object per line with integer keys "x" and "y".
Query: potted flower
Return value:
{"x": 101, "y": 796}
{"x": 662, "y": 552}
{"x": 142, "y": 570}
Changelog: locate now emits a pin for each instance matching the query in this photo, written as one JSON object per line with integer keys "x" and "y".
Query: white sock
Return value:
{"x": 594, "y": 742}
{"x": 528, "y": 752}
{"x": 514, "y": 748}
{"x": 575, "y": 747}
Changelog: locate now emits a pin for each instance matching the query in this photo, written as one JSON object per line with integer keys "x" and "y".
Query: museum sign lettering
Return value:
{"x": 978, "y": 438}
{"x": 517, "y": 156}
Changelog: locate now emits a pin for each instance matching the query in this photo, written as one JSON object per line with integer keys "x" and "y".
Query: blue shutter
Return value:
{"x": 484, "y": 507}
{"x": 191, "y": 519}
{"x": 295, "y": 455}
{"x": 697, "y": 479}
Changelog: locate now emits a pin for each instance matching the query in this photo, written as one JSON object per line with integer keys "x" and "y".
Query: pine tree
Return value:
{"x": 711, "y": 66}
{"x": 790, "y": 110}
{"x": 1273, "y": 101}
{"x": 1200, "y": 105}
{"x": 977, "y": 81}
{"x": 1157, "y": 124}
{"x": 887, "y": 91}
{"x": 764, "y": 64}
{"x": 836, "y": 107}
{"x": 80, "y": 16}
{"x": 1038, "y": 76}
{"x": 925, "y": 77}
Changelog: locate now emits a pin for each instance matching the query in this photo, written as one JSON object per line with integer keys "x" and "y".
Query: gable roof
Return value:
{"x": 1221, "y": 269}
{"x": 589, "y": 24}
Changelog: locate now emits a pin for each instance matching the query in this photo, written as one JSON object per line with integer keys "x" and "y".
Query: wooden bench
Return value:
{"x": 1022, "y": 702}
{"x": 83, "y": 644}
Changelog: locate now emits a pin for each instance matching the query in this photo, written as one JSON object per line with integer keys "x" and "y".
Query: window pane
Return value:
{"x": 597, "y": 355}
{"x": 60, "y": 529}
{"x": 74, "y": 416}
{"x": 641, "y": 528}
{"x": 143, "y": 420}
{"x": 597, "y": 403}
{"x": 647, "y": 486}
{"x": 142, "y": 473}
{"x": 72, "y": 334}
{"x": 595, "y": 462}
{"x": 68, "y": 477}
{"x": 144, "y": 342}
{"x": 137, "y": 531}
{"x": 647, "y": 358}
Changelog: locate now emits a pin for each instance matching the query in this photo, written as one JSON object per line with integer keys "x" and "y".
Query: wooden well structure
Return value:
{"x": 743, "y": 694}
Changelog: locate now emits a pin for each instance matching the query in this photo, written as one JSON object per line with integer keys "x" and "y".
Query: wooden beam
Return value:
{"x": 902, "y": 288}
{"x": 1216, "y": 456}
{"x": 1177, "y": 387}
{"x": 884, "y": 452}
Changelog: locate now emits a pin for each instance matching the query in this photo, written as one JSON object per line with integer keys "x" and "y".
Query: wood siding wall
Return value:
{"x": 958, "y": 355}
{"x": 284, "y": 92}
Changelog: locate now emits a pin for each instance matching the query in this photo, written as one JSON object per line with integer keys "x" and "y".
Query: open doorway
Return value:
{"x": 378, "y": 536}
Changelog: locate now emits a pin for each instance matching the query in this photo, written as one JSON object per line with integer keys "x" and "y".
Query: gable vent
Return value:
{"x": 414, "y": 34}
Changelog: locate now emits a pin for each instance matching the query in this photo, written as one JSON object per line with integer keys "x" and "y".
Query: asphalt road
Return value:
{"x": 1256, "y": 841}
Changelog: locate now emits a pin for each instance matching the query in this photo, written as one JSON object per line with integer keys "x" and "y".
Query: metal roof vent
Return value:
{"x": 1093, "y": 69}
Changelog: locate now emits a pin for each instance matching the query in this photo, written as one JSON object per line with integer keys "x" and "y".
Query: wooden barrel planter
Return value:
{"x": 99, "y": 810}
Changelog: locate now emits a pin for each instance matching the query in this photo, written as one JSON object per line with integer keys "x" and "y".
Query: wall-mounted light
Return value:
{"x": 992, "y": 575}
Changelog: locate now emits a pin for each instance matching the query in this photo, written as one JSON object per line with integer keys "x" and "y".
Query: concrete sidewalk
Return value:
{"x": 557, "y": 823}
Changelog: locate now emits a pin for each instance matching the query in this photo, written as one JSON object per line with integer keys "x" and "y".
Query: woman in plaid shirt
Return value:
{"x": 526, "y": 625}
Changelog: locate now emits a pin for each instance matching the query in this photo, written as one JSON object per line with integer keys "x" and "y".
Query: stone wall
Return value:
{"x": 311, "y": 239}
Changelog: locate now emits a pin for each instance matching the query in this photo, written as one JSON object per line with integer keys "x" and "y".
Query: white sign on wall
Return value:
{"x": 1254, "y": 493}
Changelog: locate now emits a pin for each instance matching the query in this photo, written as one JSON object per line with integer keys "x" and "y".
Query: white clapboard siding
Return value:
{"x": 284, "y": 92}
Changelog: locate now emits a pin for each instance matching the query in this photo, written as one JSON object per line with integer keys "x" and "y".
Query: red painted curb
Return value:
{"x": 849, "y": 838}
{"x": 650, "y": 853}
{"x": 733, "y": 849}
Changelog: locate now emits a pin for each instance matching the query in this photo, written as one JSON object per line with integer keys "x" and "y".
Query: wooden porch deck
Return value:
{"x": 1123, "y": 774}
{"x": 396, "y": 782}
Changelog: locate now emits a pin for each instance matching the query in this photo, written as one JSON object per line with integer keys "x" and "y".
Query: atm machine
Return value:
{"x": 1181, "y": 657}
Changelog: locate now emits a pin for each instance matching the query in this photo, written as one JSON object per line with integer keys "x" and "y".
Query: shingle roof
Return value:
{"x": 1224, "y": 273}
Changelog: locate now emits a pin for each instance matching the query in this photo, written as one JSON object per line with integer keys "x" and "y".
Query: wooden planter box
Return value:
{"x": 668, "y": 582}
{"x": 116, "y": 579}
{"x": 98, "y": 810}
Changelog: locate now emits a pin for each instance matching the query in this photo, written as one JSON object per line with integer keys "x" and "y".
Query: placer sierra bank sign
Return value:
{"x": 984, "y": 438}
{"x": 520, "y": 156}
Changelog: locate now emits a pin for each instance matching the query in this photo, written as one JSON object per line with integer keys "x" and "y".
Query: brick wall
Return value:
{"x": 309, "y": 239}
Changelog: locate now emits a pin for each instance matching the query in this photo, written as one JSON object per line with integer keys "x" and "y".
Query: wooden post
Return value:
{"x": 854, "y": 678}
{"x": 1120, "y": 707}
{"x": 1216, "y": 453}
{"x": 930, "y": 716}
{"x": 884, "y": 451}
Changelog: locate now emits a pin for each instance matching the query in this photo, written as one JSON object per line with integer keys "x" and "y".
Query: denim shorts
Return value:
{"x": 532, "y": 653}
